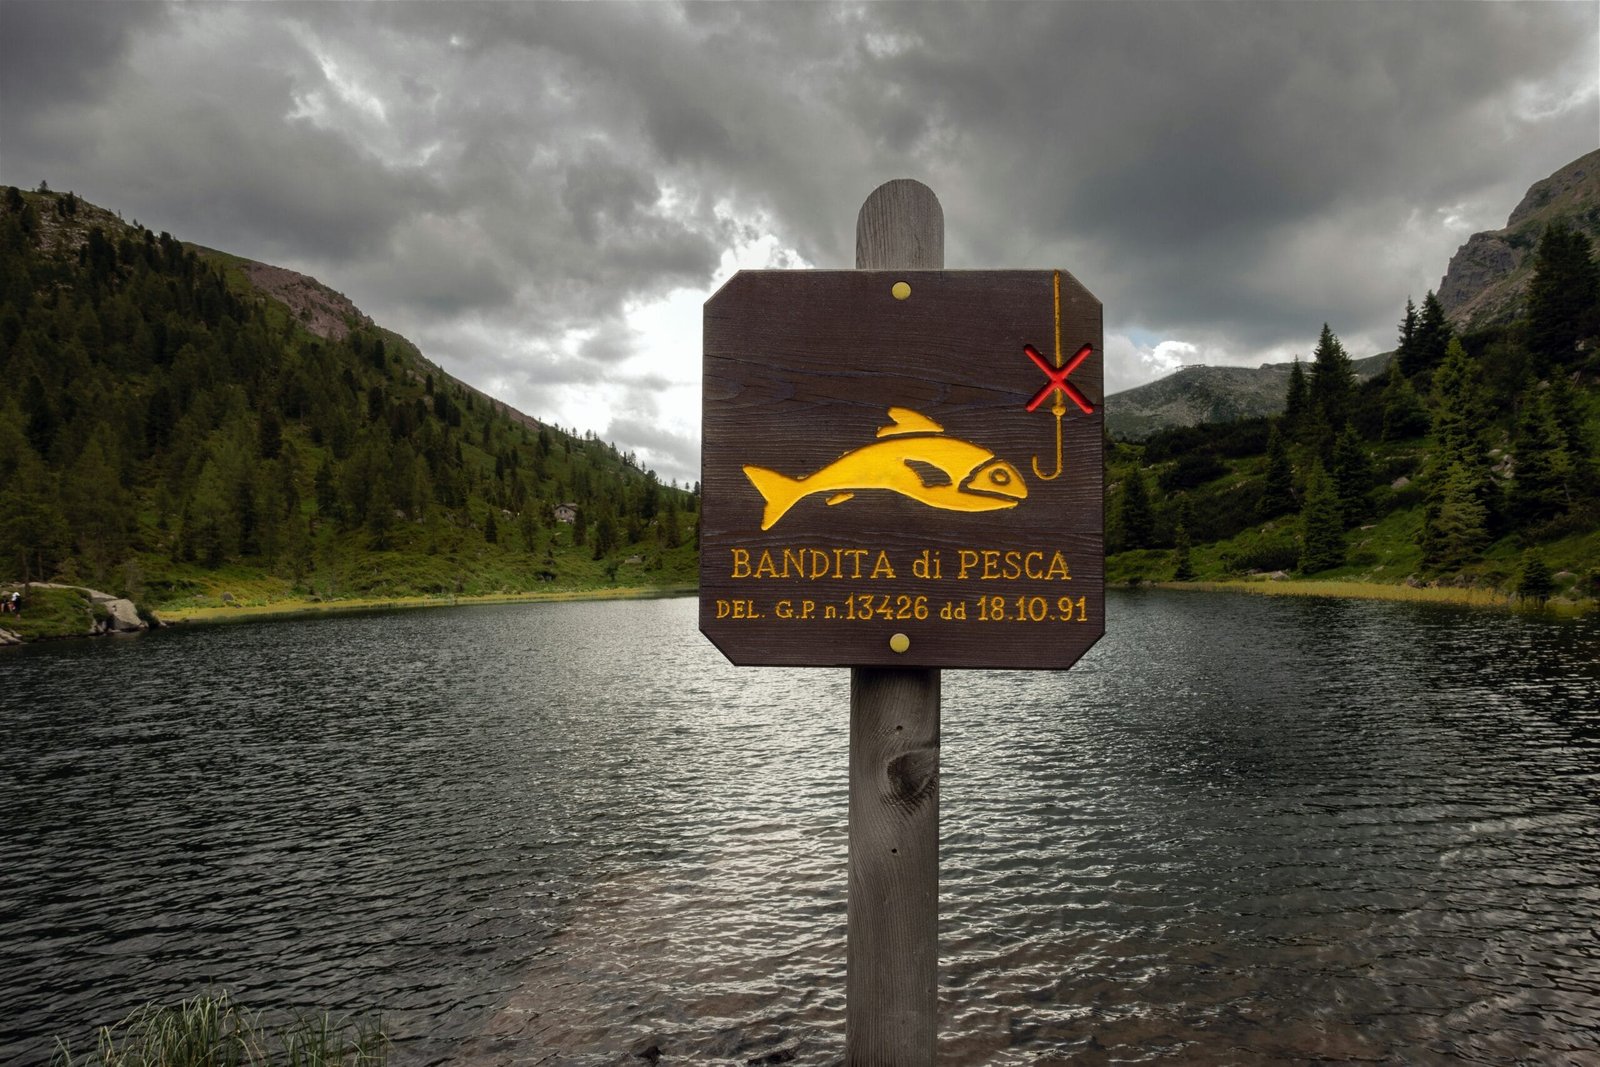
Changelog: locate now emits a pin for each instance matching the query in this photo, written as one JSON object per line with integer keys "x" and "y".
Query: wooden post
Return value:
{"x": 892, "y": 984}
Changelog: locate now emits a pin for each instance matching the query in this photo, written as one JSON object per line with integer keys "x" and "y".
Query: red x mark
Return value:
{"x": 1058, "y": 379}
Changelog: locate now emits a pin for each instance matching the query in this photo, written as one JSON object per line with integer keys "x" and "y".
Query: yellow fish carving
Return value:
{"x": 914, "y": 458}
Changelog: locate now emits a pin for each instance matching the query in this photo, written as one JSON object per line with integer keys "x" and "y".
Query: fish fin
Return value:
{"x": 839, "y": 498}
{"x": 931, "y": 475}
{"x": 778, "y": 490}
{"x": 908, "y": 421}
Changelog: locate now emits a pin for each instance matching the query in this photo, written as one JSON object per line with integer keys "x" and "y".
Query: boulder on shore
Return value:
{"x": 122, "y": 616}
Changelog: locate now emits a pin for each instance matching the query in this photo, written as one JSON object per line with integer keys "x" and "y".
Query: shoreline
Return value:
{"x": 287, "y": 609}
{"x": 1471, "y": 598}
{"x": 1458, "y": 597}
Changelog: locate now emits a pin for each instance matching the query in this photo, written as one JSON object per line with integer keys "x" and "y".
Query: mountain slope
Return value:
{"x": 1486, "y": 283}
{"x": 1195, "y": 395}
{"x": 180, "y": 423}
{"x": 329, "y": 315}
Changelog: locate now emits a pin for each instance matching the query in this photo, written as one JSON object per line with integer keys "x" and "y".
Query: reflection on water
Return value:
{"x": 1242, "y": 830}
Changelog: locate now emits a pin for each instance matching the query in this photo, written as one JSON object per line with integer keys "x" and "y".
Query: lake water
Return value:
{"x": 1242, "y": 830}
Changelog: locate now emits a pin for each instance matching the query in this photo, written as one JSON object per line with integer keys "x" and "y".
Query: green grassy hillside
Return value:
{"x": 172, "y": 433}
{"x": 1471, "y": 465}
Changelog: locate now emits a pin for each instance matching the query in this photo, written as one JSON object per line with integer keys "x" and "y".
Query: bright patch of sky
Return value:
{"x": 530, "y": 191}
{"x": 1135, "y": 358}
{"x": 666, "y": 340}
{"x": 1542, "y": 101}
{"x": 348, "y": 103}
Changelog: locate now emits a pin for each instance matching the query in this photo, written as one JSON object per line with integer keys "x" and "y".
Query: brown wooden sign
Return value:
{"x": 903, "y": 468}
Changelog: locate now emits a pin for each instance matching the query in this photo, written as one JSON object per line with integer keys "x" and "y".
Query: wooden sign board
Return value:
{"x": 903, "y": 468}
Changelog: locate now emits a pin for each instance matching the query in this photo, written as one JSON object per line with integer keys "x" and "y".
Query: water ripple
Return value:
{"x": 1241, "y": 831}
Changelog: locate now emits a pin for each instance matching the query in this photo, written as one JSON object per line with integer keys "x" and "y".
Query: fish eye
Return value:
{"x": 1000, "y": 476}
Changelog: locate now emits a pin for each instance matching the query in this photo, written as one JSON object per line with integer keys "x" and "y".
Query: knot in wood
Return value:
{"x": 913, "y": 777}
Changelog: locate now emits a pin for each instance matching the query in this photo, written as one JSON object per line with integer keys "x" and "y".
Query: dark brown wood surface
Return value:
{"x": 801, "y": 369}
{"x": 900, "y": 227}
{"x": 818, "y": 549}
{"x": 892, "y": 999}
{"x": 892, "y": 962}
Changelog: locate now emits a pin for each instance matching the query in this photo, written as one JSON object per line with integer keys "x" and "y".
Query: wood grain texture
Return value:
{"x": 802, "y": 371}
{"x": 900, "y": 226}
{"x": 892, "y": 962}
{"x": 891, "y": 1013}
{"x": 801, "y": 368}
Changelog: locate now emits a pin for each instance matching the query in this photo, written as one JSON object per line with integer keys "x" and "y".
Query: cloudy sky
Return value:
{"x": 541, "y": 196}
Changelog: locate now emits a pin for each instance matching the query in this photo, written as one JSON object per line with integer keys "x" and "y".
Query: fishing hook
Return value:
{"x": 1059, "y": 409}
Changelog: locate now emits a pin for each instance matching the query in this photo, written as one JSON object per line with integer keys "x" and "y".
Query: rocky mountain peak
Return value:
{"x": 1487, "y": 279}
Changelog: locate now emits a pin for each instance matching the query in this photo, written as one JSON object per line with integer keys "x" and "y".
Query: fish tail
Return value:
{"x": 778, "y": 490}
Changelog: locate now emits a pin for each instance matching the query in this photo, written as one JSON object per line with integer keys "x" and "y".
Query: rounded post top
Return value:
{"x": 900, "y": 226}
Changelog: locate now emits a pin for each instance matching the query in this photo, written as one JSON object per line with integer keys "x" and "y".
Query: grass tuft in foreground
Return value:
{"x": 213, "y": 1031}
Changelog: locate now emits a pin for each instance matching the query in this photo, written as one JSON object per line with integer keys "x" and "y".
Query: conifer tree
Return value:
{"x": 1277, "y": 496}
{"x": 605, "y": 535}
{"x": 1321, "y": 524}
{"x": 1534, "y": 580}
{"x": 528, "y": 527}
{"x": 1138, "y": 519}
{"x": 1182, "y": 565}
{"x": 1459, "y": 449}
{"x": 210, "y": 532}
{"x": 269, "y": 520}
{"x": 1182, "y": 519}
{"x": 39, "y": 415}
{"x": 1298, "y": 398}
{"x": 269, "y": 438}
{"x": 296, "y": 547}
{"x": 671, "y": 534}
{"x": 1404, "y": 416}
{"x": 34, "y": 536}
{"x": 379, "y": 514}
{"x": 1455, "y": 528}
{"x": 1406, "y": 355}
{"x": 1333, "y": 381}
{"x": 1351, "y": 475}
{"x": 1540, "y": 487}
{"x": 324, "y": 486}
{"x": 93, "y": 503}
{"x": 422, "y": 489}
{"x": 1562, "y": 297}
{"x": 286, "y": 471}
{"x": 1433, "y": 335}
{"x": 1569, "y": 419}
{"x": 1458, "y": 408}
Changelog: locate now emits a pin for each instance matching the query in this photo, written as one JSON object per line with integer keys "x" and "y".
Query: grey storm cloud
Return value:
{"x": 505, "y": 181}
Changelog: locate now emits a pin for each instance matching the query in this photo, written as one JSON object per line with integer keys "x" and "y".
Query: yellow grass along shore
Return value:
{"x": 1467, "y": 597}
{"x": 290, "y": 608}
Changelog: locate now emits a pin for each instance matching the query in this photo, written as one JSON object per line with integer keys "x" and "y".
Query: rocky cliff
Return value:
{"x": 326, "y": 313}
{"x": 1487, "y": 280}
{"x": 1485, "y": 285}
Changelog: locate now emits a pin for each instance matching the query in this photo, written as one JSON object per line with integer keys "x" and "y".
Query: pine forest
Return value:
{"x": 171, "y": 434}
